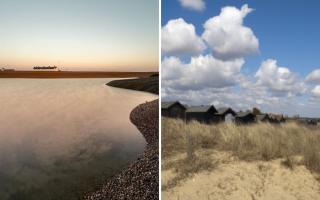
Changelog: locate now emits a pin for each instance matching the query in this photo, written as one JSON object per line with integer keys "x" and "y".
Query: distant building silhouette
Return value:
{"x": 45, "y": 68}
{"x": 6, "y": 70}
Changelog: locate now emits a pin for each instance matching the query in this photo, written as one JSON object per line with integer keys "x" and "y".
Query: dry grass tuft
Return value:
{"x": 186, "y": 168}
{"x": 288, "y": 162}
{"x": 260, "y": 141}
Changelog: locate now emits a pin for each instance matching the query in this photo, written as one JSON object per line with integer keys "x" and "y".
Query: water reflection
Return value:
{"x": 59, "y": 137}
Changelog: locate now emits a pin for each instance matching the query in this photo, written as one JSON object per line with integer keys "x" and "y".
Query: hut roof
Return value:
{"x": 243, "y": 114}
{"x": 201, "y": 109}
{"x": 223, "y": 110}
{"x": 168, "y": 104}
{"x": 262, "y": 116}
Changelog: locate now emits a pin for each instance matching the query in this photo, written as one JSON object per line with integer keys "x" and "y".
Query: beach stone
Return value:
{"x": 140, "y": 181}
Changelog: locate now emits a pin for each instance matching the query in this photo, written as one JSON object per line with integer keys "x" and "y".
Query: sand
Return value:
{"x": 233, "y": 179}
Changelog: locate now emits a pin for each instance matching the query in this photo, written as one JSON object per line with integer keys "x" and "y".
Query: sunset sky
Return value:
{"x": 115, "y": 35}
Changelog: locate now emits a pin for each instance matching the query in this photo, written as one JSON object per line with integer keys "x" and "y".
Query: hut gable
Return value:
{"x": 173, "y": 109}
{"x": 203, "y": 114}
{"x": 225, "y": 110}
{"x": 276, "y": 118}
{"x": 227, "y": 114}
{"x": 201, "y": 109}
{"x": 245, "y": 117}
{"x": 263, "y": 118}
{"x": 167, "y": 104}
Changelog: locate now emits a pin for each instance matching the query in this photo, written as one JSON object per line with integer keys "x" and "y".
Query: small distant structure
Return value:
{"x": 263, "y": 118}
{"x": 203, "y": 114}
{"x": 7, "y": 70}
{"x": 209, "y": 114}
{"x": 46, "y": 68}
{"x": 309, "y": 121}
{"x": 276, "y": 118}
{"x": 173, "y": 109}
{"x": 245, "y": 117}
{"x": 227, "y": 114}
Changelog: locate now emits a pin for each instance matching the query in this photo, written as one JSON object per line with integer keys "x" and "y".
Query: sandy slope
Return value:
{"x": 232, "y": 179}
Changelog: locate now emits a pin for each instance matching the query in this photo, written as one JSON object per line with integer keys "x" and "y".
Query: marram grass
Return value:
{"x": 261, "y": 141}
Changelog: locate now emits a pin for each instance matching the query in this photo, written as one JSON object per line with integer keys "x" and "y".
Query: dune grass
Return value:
{"x": 261, "y": 141}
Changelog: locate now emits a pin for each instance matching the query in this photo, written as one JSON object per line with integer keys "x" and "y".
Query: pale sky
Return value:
{"x": 115, "y": 35}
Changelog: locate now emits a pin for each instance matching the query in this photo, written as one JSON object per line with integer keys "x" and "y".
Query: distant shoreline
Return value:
{"x": 144, "y": 84}
{"x": 72, "y": 74}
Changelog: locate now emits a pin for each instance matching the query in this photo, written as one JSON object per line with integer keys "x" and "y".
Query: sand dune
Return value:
{"x": 232, "y": 179}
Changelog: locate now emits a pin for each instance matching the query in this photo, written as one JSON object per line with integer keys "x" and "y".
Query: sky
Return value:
{"x": 113, "y": 35}
{"x": 242, "y": 54}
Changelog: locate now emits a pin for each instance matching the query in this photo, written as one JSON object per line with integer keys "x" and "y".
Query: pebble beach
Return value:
{"x": 140, "y": 180}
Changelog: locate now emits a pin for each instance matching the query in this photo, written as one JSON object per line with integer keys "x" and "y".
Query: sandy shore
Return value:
{"x": 72, "y": 74}
{"x": 233, "y": 179}
{"x": 140, "y": 181}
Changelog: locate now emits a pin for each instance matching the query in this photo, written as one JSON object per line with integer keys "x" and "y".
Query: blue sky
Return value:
{"x": 115, "y": 35}
{"x": 286, "y": 31}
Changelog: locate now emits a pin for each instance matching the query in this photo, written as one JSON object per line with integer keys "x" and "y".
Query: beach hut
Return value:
{"x": 263, "y": 118}
{"x": 276, "y": 118}
{"x": 203, "y": 114}
{"x": 308, "y": 121}
{"x": 227, "y": 114}
{"x": 173, "y": 109}
{"x": 245, "y": 117}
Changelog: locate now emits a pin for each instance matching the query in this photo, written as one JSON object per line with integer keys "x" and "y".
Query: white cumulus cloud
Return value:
{"x": 179, "y": 37}
{"x": 314, "y": 76}
{"x": 197, "y": 5}
{"x": 316, "y": 91}
{"x": 278, "y": 80}
{"x": 227, "y": 35}
{"x": 201, "y": 72}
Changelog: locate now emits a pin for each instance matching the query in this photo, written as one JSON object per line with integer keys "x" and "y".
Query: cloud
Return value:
{"x": 201, "y": 72}
{"x": 227, "y": 35}
{"x": 197, "y": 5}
{"x": 228, "y": 97}
{"x": 280, "y": 81}
{"x": 316, "y": 91}
{"x": 208, "y": 80}
{"x": 179, "y": 37}
{"x": 314, "y": 76}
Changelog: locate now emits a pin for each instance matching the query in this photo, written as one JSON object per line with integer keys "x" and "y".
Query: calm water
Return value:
{"x": 59, "y": 138}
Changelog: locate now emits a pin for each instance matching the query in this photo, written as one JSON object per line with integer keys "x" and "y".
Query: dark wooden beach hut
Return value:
{"x": 173, "y": 109}
{"x": 203, "y": 114}
{"x": 245, "y": 117}
{"x": 227, "y": 114}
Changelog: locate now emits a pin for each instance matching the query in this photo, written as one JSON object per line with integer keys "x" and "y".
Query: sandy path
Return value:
{"x": 236, "y": 180}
